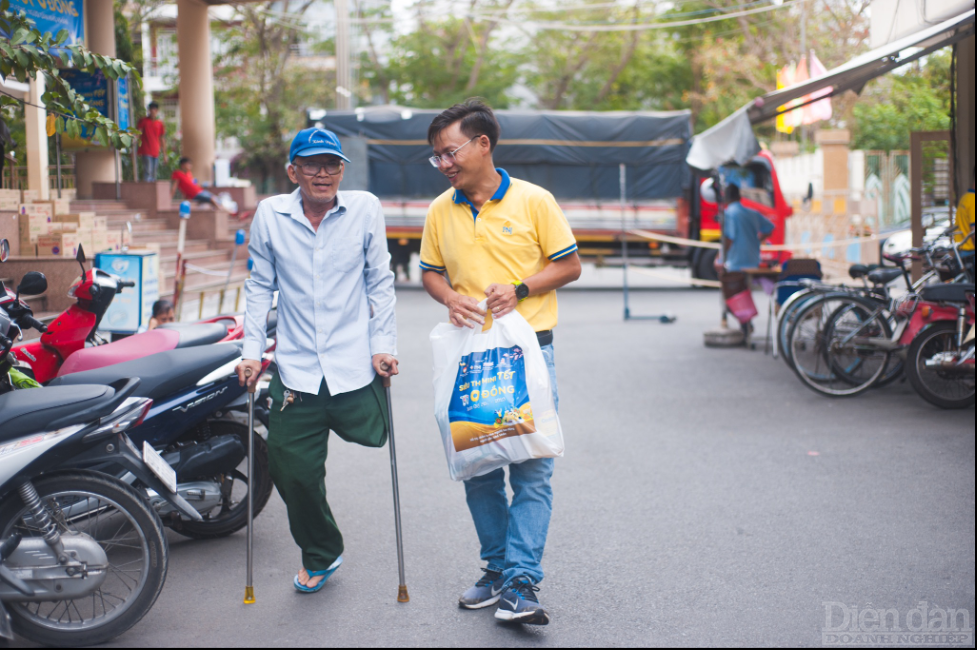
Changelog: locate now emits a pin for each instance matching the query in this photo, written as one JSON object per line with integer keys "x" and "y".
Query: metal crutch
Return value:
{"x": 402, "y": 596}
{"x": 249, "y": 588}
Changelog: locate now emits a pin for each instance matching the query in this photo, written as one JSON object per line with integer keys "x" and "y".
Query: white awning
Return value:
{"x": 733, "y": 141}
{"x": 859, "y": 71}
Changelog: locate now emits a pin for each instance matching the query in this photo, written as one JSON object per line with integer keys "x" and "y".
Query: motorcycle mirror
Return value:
{"x": 81, "y": 259}
{"x": 32, "y": 284}
{"x": 4, "y": 250}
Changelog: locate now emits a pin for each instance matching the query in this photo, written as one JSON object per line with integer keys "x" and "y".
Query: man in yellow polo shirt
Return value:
{"x": 506, "y": 241}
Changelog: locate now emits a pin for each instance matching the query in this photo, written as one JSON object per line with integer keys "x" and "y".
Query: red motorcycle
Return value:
{"x": 940, "y": 359}
{"x": 71, "y": 342}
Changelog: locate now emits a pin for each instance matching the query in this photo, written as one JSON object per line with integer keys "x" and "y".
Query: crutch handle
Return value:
{"x": 252, "y": 388}
{"x": 386, "y": 380}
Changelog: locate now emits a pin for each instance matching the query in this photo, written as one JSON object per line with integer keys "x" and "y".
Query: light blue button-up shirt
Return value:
{"x": 335, "y": 291}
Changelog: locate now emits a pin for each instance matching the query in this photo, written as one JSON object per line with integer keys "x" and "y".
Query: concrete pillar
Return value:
{"x": 97, "y": 166}
{"x": 35, "y": 122}
{"x": 198, "y": 122}
{"x": 834, "y": 146}
{"x": 966, "y": 70}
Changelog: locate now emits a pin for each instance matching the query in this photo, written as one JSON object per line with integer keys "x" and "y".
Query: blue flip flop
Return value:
{"x": 299, "y": 587}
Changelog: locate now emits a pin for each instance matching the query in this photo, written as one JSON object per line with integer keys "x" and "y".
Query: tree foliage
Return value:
{"x": 28, "y": 54}
{"x": 262, "y": 91}
{"x": 897, "y": 105}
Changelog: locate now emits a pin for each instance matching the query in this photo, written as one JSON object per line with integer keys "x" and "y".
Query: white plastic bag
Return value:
{"x": 492, "y": 397}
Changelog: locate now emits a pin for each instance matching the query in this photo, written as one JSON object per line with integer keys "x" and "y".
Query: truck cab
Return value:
{"x": 760, "y": 189}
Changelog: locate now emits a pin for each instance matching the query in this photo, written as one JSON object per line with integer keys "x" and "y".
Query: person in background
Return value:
{"x": 745, "y": 230}
{"x": 152, "y": 142}
{"x": 184, "y": 181}
{"x": 965, "y": 226}
{"x": 162, "y": 314}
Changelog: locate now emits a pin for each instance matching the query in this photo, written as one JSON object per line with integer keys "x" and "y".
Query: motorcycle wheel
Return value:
{"x": 937, "y": 386}
{"x": 233, "y": 515}
{"x": 132, "y": 537}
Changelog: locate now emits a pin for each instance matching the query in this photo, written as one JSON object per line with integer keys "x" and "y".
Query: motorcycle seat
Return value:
{"x": 858, "y": 271}
{"x": 40, "y": 410}
{"x": 192, "y": 335}
{"x": 955, "y": 293}
{"x": 128, "y": 349}
{"x": 884, "y": 276}
{"x": 162, "y": 374}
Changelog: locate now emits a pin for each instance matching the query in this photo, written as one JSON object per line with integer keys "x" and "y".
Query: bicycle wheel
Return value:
{"x": 856, "y": 336}
{"x": 788, "y": 316}
{"x": 811, "y": 348}
{"x": 947, "y": 389}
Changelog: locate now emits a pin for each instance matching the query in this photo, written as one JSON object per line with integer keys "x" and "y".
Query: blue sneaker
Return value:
{"x": 485, "y": 593}
{"x": 520, "y": 604}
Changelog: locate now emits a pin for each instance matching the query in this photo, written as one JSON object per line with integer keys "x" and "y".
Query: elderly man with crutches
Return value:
{"x": 325, "y": 252}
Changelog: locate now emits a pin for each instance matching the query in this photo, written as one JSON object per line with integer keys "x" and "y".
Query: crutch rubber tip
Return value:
{"x": 249, "y": 596}
{"x": 402, "y": 596}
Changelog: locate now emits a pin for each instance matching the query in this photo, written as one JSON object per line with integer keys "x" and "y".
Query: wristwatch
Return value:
{"x": 522, "y": 291}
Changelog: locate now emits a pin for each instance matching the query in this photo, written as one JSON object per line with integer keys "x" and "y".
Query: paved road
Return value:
{"x": 707, "y": 498}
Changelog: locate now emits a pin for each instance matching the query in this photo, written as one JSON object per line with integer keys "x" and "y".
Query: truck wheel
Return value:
{"x": 705, "y": 268}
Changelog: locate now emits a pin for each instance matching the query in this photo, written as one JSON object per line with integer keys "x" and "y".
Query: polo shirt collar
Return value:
{"x": 460, "y": 198}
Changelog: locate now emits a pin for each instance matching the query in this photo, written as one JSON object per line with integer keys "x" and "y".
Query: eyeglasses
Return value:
{"x": 450, "y": 156}
{"x": 332, "y": 168}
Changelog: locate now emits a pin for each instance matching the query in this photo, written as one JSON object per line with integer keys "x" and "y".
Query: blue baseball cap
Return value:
{"x": 316, "y": 142}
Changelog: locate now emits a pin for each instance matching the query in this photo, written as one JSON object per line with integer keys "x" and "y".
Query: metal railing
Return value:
{"x": 15, "y": 178}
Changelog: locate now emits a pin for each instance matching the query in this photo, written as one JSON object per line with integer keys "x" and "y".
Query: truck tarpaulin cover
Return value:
{"x": 574, "y": 155}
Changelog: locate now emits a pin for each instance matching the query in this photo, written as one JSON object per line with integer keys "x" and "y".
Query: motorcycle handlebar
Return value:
{"x": 127, "y": 284}
{"x": 30, "y": 322}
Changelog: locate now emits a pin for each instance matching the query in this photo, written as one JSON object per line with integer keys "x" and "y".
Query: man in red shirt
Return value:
{"x": 184, "y": 181}
{"x": 152, "y": 143}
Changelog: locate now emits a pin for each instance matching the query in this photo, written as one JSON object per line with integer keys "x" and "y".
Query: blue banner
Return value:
{"x": 52, "y": 16}
{"x": 123, "y": 116}
{"x": 94, "y": 87}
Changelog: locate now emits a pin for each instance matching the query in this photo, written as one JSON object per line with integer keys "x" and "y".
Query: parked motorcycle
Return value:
{"x": 940, "y": 363}
{"x": 72, "y": 343}
{"x": 199, "y": 426}
{"x": 83, "y": 557}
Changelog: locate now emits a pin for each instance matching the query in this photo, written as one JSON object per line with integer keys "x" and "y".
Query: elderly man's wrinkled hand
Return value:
{"x": 242, "y": 368}
{"x": 386, "y": 365}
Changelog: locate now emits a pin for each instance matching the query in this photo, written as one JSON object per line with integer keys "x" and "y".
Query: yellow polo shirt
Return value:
{"x": 517, "y": 233}
{"x": 965, "y": 220}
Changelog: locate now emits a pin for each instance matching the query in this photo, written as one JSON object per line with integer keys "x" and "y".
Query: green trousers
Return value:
{"x": 298, "y": 444}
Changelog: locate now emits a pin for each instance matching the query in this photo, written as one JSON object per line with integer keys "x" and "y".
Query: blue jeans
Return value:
{"x": 513, "y": 536}
{"x": 150, "y": 165}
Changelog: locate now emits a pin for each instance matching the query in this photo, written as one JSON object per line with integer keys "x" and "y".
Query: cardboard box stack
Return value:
{"x": 9, "y": 200}
{"x": 59, "y": 244}
{"x": 116, "y": 240}
{"x": 29, "y": 196}
{"x": 100, "y": 235}
{"x": 35, "y": 222}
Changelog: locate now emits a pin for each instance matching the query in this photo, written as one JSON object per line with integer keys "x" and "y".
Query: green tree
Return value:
{"x": 262, "y": 90}
{"x": 448, "y": 59}
{"x": 899, "y": 104}
{"x": 28, "y": 54}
